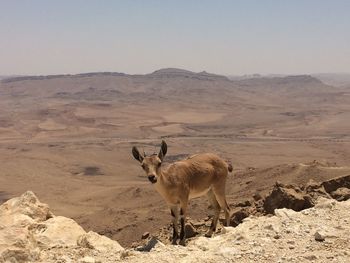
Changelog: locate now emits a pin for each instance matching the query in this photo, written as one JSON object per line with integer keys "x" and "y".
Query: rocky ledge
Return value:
{"x": 29, "y": 232}
{"x": 317, "y": 234}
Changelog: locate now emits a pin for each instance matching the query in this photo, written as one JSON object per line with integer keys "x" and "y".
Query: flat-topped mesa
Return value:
{"x": 176, "y": 73}
{"x": 297, "y": 81}
{"x": 47, "y": 77}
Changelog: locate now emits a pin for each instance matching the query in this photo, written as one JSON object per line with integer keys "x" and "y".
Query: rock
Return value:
{"x": 145, "y": 235}
{"x": 150, "y": 245}
{"x": 333, "y": 184}
{"x": 257, "y": 196}
{"x": 238, "y": 216}
{"x": 227, "y": 229}
{"x": 280, "y": 237}
{"x": 244, "y": 203}
{"x": 49, "y": 232}
{"x": 285, "y": 213}
{"x": 87, "y": 260}
{"x": 325, "y": 203}
{"x": 29, "y": 232}
{"x": 315, "y": 190}
{"x": 341, "y": 194}
{"x": 16, "y": 255}
{"x": 272, "y": 227}
{"x": 197, "y": 223}
{"x": 28, "y": 205}
{"x": 16, "y": 217}
{"x": 93, "y": 240}
{"x": 190, "y": 230}
{"x": 319, "y": 236}
{"x": 287, "y": 196}
{"x": 310, "y": 257}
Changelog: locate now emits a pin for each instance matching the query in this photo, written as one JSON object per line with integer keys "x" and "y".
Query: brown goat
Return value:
{"x": 193, "y": 177}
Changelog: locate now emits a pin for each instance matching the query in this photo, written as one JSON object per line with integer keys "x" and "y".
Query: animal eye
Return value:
{"x": 143, "y": 166}
{"x": 159, "y": 164}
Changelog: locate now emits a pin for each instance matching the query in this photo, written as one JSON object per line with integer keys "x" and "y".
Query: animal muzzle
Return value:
{"x": 152, "y": 178}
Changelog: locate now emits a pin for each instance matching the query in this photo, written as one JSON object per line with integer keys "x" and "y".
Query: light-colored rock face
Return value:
{"x": 288, "y": 236}
{"x": 29, "y": 232}
{"x": 57, "y": 231}
{"x": 318, "y": 234}
{"x": 93, "y": 240}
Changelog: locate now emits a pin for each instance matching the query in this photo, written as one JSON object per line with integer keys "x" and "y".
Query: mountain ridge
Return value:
{"x": 172, "y": 73}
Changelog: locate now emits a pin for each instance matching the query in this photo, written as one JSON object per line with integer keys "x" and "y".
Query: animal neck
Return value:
{"x": 162, "y": 175}
{"x": 162, "y": 178}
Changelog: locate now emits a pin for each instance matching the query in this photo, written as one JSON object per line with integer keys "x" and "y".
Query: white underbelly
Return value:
{"x": 194, "y": 193}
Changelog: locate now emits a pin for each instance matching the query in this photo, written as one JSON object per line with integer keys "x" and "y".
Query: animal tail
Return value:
{"x": 229, "y": 167}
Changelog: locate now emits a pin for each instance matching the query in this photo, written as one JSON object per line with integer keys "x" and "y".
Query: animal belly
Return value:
{"x": 197, "y": 193}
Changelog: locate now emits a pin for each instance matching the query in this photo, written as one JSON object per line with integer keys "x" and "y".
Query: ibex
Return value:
{"x": 182, "y": 180}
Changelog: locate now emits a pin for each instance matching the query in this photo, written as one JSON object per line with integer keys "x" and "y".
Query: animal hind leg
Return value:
{"x": 220, "y": 197}
{"x": 216, "y": 207}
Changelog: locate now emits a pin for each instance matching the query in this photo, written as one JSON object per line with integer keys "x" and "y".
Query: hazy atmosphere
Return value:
{"x": 174, "y": 131}
{"x": 224, "y": 37}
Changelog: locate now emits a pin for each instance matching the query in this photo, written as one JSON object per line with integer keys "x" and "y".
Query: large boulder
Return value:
{"x": 57, "y": 231}
{"x": 333, "y": 184}
{"x": 29, "y": 232}
{"x": 287, "y": 196}
{"x": 93, "y": 240}
{"x": 341, "y": 194}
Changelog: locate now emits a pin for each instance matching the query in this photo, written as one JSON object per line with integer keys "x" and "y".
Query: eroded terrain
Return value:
{"x": 69, "y": 139}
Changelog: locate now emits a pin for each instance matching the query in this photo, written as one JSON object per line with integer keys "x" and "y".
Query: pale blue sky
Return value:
{"x": 225, "y": 37}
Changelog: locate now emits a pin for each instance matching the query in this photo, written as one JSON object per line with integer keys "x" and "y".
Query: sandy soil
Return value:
{"x": 69, "y": 140}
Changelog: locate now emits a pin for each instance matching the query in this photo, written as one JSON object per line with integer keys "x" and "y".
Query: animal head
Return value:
{"x": 151, "y": 164}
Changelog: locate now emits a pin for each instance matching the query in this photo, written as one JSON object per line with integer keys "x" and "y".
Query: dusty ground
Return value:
{"x": 69, "y": 139}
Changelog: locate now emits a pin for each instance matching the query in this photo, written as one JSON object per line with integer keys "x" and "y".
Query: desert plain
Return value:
{"x": 68, "y": 139}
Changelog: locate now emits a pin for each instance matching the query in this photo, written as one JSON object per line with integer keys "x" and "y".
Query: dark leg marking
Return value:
{"x": 182, "y": 233}
{"x": 182, "y": 220}
{"x": 175, "y": 233}
{"x": 213, "y": 225}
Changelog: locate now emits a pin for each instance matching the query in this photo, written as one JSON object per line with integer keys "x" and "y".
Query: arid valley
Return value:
{"x": 68, "y": 138}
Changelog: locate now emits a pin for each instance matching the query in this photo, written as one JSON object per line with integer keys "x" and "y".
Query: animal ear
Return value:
{"x": 137, "y": 155}
{"x": 163, "y": 150}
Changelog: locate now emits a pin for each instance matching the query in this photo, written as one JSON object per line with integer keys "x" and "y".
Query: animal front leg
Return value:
{"x": 183, "y": 213}
{"x": 175, "y": 218}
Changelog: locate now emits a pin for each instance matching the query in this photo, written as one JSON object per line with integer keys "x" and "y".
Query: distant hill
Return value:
{"x": 334, "y": 79}
{"x": 161, "y": 73}
{"x": 46, "y": 77}
{"x": 174, "y": 72}
{"x": 8, "y": 76}
{"x": 281, "y": 81}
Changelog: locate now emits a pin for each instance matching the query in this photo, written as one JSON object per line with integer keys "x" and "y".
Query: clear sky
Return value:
{"x": 135, "y": 36}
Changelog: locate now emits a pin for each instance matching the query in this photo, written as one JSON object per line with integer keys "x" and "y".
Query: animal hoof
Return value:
{"x": 208, "y": 234}
{"x": 174, "y": 242}
{"x": 182, "y": 242}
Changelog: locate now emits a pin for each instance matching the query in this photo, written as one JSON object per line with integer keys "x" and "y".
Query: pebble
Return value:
{"x": 310, "y": 257}
{"x": 319, "y": 236}
{"x": 87, "y": 260}
{"x": 190, "y": 231}
{"x": 145, "y": 235}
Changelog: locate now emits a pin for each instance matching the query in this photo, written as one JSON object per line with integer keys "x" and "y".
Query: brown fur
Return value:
{"x": 193, "y": 177}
